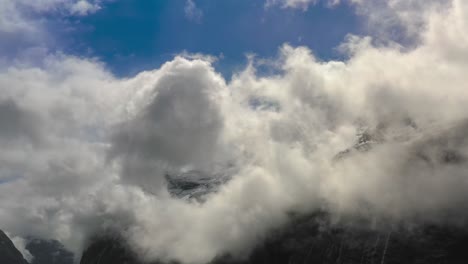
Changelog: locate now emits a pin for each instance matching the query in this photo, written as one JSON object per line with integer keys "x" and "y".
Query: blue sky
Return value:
{"x": 130, "y": 36}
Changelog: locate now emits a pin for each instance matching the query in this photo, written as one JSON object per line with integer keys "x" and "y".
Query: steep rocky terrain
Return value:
{"x": 310, "y": 240}
{"x": 9, "y": 254}
{"x": 194, "y": 184}
{"x": 48, "y": 252}
{"x": 107, "y": 250}
{"x": 314, "y": 239}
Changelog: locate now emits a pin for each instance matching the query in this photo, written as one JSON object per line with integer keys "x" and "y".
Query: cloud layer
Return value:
{"x": 84, "y": 152}
{"x": 15, "y": 15}
{"x": 24, "y": 27}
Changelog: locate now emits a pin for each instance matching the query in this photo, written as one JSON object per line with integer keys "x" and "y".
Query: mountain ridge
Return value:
{"x": 9, "y": 254}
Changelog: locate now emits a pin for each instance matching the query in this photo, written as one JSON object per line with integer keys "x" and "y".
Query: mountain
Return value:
{"x": 48, "y": 252}
{"x": 9, "y": 254}
{"x": 194, "y": 184}
{"x": 43, "y": 252}
{"x": 316, "y": 239}
{"x": 109, "y": 250}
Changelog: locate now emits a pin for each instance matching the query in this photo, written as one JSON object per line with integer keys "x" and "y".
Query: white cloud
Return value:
{"x": 388, "y": 21}
{"x": 14, "y": 13}
{"x": 83, "y": 7}
{"x": 300, "y": 4}
{"x": 192, "y": 12}
{"x": 24, "y": 27}
{"x": 85, "y": 151}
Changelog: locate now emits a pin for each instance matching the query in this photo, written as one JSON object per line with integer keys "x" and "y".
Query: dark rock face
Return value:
{"x": 308, "y": 240}
{"x": 314, "y": 239}
{"x": 109, "y": 250}
{"x": 49, "y": 252}
{"x": 9, "y": 254}
{"x": 194, "y": 184}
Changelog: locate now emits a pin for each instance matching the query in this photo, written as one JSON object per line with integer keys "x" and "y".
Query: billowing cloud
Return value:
{"x": 178, "y": 122}
{"x": 84, "y": 152}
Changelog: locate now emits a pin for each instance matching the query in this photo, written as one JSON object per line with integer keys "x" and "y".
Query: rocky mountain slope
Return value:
{"x": 315, "y": 239}
{"x": 9, "y": 254}
{"x": 43, "y": 252}
{"x": 48, "y": 252}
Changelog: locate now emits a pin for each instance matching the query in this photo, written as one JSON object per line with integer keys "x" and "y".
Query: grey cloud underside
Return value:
{"x": 17, "y": 123}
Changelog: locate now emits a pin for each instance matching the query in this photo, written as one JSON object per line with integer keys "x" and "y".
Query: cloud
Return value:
{"x": 16, "y": 15}
{"x": 300, "y": 4}
{"x": 83, "y": 7}
{"x": 192, "y": 12}
{"x": 177, "y": 119}
{"x": 89, "y": 151}
{"x": 388, "y": 21}
{"x": 24, "y": 27}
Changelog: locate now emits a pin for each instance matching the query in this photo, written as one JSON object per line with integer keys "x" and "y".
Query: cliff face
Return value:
{"x": 309, "y": 240}
{"x": 48, "y": 252}
{"x": 314, "y": 239}
{"x": 109, "y": 250}
{"x": 9, "y": 254}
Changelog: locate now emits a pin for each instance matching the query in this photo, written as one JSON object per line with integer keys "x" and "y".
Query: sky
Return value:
{"x": 134, "y": 35}
{"x": 130, "y": 36}
{"x": 100, "y": 100}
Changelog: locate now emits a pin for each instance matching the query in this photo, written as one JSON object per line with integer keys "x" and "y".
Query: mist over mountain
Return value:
{"x": 313, "y": 239}
{"x": 293, "y": 159}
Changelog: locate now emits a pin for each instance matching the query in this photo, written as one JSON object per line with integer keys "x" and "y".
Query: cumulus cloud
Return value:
{"x": 86, "y": 152}
{"x": 178, "y": 122}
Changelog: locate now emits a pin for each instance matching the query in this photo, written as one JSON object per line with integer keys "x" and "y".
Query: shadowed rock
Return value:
{"x": 48, "y": 252}
{"x": 317, "y": 239}
{"x": 9, "y": 254}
